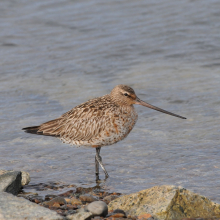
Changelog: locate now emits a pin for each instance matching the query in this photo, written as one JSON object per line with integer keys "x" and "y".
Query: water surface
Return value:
{"x": 57, "y": 54}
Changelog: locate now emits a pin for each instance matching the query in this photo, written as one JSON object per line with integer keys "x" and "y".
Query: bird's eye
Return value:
{"x": 125, "y": 94}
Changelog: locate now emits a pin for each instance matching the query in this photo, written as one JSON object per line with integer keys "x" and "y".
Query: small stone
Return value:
{"x": 80, "y": 216}
{"x": 119, "y": 211}
{"x": 97, "y": 208}
{"x": 117, "y": 215}
{"x": 59, "y": 200}
{"x": 69, "y": 206}
{"x": 68, "y": 193}
{"x": 71, "y": 212}
{"x": 109, "y": 198}
{"x": 56, "y": 205}
{"x": 75, "y": 201}
{"x": 25, "y": 178}
{"x": 37, "y": 201}
{"x": 63, "y": 207}
{"x": 87, "y": 198}
{"x": 67, "y": 200}
{"x": 49, "y": 197}
{"x": 144, "y": 216}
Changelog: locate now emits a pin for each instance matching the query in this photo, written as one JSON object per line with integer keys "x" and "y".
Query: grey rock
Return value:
{"x": 10, "y": 182}
{"x": 80, "y": 216}
{"x": 15, "y": 208}
{"x": 97, "y": 208}
{"x": 25, "y": 176}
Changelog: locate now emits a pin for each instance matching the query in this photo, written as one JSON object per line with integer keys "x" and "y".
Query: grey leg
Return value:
{"x": 99, "y": 160}
{"x": 96, "y": 168}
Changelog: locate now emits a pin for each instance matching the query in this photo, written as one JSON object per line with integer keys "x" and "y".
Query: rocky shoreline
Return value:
{"x": 156, "y": 203}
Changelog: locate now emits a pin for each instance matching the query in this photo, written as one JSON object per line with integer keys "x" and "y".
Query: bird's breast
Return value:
{"x": 119, "y": 126}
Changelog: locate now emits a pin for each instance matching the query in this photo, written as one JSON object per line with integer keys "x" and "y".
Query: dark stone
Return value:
{"x": 119, "y": 211}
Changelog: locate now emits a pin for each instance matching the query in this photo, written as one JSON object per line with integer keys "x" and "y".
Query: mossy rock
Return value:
{"x": 167, "y": 203}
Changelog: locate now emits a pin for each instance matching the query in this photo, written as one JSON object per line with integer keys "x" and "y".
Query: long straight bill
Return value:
{"x": 140, "y": 102}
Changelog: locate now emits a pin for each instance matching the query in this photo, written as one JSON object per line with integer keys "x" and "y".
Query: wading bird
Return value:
{"x": 98, "y": 122}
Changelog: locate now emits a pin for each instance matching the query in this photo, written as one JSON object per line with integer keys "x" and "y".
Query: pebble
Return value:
{"x": 75, "y": 201}
{"x": 25, "y": 178}
{"x": 119, "y": 211}
{"x": 117, "y": 215}
{"x": 67, "y": 200}
{"x": 56, "y": 205}
{"x": 68, "y": 193}
{"x": 144, "y": 216}
{"x": 37, "y": 201}
{"x": 49, "y": 197}
{"x": 59, "y": 200}
{"x": 109, "y": 198}
{"x": 97, "y": 208}
{"x": 68, "y": 206}
{"x": 87, "y": 198}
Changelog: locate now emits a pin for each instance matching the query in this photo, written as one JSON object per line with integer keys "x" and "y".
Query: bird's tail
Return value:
{"x": 32, "y": 130}
{"x": 50, "y": 128}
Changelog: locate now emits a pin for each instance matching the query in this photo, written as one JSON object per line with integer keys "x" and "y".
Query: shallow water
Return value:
{"x": 57, "y": 54}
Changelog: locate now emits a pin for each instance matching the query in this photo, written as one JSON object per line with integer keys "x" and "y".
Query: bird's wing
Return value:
{"x": 82, "y": 123}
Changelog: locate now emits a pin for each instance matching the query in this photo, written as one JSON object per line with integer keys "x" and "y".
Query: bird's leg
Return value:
{"x": 99, "y": 160}
{"x": 96, "y": 167}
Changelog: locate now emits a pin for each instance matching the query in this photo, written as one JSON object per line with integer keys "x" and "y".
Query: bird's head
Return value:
{"x": 125, "y": 95}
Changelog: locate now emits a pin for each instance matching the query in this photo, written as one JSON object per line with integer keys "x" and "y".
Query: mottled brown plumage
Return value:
{"x": 98, "y": 122}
